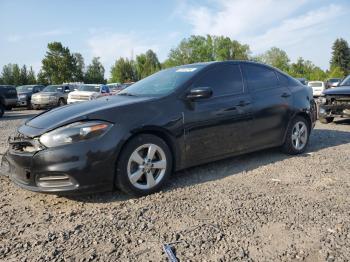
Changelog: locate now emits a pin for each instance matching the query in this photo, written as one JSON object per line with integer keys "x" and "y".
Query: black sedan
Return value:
{"x": 174, "y": 119}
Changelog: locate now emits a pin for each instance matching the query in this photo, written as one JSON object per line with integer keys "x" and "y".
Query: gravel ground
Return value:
{"x": 264, "y": 206}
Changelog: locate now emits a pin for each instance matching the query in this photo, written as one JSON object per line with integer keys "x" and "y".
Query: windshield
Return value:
{"x": 162, "y": 83}
{"x": 346, "y": 81}
{"x": 334, "y": 80}
{"x": 315, "y": 84}
{"x": 53, "y": 89}
{"x": 24, "y": 89}
{"x": 90, "y": 88}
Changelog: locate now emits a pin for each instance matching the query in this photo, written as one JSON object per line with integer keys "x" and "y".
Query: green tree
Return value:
{"x": 79, "y": 67}
{"x": 317, "y": 74}
{"x": 58, "y": 65}
{"x": 24, "y": 75}
{"x": 7, "y": 75}
{"x": 42, "y": 79}
{"x": 341, "y": 55}
{"x": 95, "y": 72}
{"x": 123, "y": 71}
{"x": 336, "y": 72}
{"x": 203, "y": 49}
{"x": 16, "y": 74}
{"x": 306, "y": 69}
{"x": 275, "y": 57}
{"x": 147, "y": 64}
{"x": 31, "y": 79}
{"x": 226, "y": 49}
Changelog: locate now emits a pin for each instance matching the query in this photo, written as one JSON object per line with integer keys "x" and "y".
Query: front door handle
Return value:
{"x": 285, "y": 95}
{"x": 243, "y": 103}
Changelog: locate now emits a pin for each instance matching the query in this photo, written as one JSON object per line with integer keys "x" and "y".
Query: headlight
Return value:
{"x": 22, "y": 96}
{"x": 52, "y": 98}
{"x": 75, "y": 132}
{"x": 322, "y": 100}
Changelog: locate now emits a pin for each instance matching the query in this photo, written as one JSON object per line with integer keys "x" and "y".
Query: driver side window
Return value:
{"x": 223, "y": 79}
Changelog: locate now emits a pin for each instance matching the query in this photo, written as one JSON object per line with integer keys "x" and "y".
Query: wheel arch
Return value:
{"x": 302, "y": 114}
{"x": 162, "y": 133}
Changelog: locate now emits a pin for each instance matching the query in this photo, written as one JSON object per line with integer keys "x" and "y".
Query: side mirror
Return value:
{"x": 199, "y": 93}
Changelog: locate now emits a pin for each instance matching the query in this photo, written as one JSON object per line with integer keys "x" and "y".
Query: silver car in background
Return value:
{"x": 51, "y": 96}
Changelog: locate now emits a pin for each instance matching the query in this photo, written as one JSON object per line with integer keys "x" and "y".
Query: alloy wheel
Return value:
{"x": 299, "y": 135}
{"x": 146, "y": 166}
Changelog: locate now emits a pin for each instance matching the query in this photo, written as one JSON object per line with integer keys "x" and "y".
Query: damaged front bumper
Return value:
{"x": 63, "y": 170}
{"x": 334, "y": 106}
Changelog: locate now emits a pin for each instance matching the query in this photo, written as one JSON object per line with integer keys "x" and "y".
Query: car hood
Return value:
{"x": 342, "y": 90}
{"x": 100, "y": 109}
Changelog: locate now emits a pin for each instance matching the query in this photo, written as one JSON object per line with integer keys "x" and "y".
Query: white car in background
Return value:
{"x": 317, "y": 87}
{"x": 88, "y": 92}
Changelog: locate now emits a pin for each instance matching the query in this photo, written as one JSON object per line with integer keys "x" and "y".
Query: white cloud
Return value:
{"x": 111, "y": 46}
{"x": 298, "y": 29}
{"x": 15, "y": 38}
{"x": 236, "y": 17}
{"x": 290, "y": 25}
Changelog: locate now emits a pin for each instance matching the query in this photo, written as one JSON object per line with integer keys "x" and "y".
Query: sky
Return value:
{"x": 112, "y": 29}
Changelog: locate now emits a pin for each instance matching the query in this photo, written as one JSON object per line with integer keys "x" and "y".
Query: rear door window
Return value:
{"x": 260, "y": 77}
{"x": 223, "y": 79}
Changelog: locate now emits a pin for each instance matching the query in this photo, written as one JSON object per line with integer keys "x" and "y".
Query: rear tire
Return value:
{"x": 144, "y": 165}
{"x": 61, "y": 102}
{"x": 297, "y": 137}
{"x": 326, "y": 120}
{"x": 2, "y": 110}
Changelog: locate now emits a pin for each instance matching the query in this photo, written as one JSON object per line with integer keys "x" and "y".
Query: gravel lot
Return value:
{"x": 264, "y": 206}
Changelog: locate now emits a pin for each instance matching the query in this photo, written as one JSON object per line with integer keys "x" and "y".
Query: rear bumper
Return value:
{"x": 72, "y": 101}
{"x": 10, "y": 101}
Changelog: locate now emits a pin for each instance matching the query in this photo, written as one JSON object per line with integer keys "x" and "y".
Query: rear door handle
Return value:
{"x": 285, "y": 95}
{"x": 243, "y": 103}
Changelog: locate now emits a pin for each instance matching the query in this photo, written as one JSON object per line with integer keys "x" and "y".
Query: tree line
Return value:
{"x": 60, "y": 65}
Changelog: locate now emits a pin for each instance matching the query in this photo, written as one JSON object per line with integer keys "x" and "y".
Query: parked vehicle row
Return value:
{"x": 39, "y": 96}
{"x": 176, "y": 118}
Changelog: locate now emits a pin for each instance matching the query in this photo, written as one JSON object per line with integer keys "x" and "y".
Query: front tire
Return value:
{"x": 144, "y": 165}
{"x": 297, "y": 137}
{"x": 326, "y": 120}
